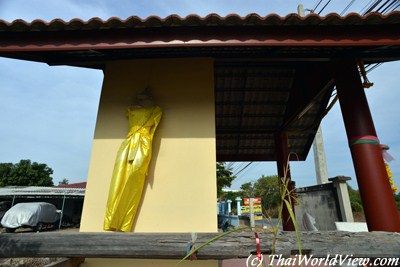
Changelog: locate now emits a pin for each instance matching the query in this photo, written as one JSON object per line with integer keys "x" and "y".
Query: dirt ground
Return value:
{"x": 359, "y": 216}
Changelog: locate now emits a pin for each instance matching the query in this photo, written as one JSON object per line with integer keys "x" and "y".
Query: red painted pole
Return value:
{"x": 379, "y": 204}
{"x": 282, "y": 161}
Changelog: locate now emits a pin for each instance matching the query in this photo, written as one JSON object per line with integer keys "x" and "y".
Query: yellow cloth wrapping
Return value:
{"x": 130, "y": 169}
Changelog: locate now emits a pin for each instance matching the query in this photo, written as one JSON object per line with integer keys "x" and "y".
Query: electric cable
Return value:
{"x": 316, "y": 6}
{"x": 396, "y": 7}
{"x": 251, "y": 162}
{"x": 382, "y": 6}
{"x": 235, "y": 171}
{"x": 248, "y": 169}
{"x": 371, "y": 8}
{"x": 324, "y": 7}
{"x": 366, "y": 6}
{"x": 347, "y": 7}
{"x": 389, "y": 6}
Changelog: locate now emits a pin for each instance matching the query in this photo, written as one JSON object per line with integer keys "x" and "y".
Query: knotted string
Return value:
{"x": 373, "y": 140}
{"x": 258, "y": 247}
{"x": 365, "y": 139}
{"x": 191, "y": 247}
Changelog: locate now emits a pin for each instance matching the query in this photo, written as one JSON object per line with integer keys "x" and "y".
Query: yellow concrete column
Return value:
{"x": 181, "y": 186}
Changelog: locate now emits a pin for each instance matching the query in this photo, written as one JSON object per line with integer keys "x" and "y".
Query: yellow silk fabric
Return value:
{"x": 130, "y": 169}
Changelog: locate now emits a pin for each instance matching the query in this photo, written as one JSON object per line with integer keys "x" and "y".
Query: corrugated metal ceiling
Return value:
{"x": 251, "y": 106}
{"x": 40, "y": 190}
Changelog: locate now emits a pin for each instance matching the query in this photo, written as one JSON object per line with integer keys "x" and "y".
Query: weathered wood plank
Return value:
{"x": 173, "y": 246}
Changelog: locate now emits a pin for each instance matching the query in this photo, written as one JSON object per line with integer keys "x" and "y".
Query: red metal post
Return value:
{"x": 282, "y": 161}
{"x": 379, "y": 205}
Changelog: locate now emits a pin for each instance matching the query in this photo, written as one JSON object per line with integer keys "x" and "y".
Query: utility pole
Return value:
{"x": 319, "y": 158}
{"x": 251, "y": 211}
{"x": 321, "y": 170}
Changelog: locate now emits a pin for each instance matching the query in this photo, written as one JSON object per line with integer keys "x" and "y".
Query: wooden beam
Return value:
{"x": 155, "y": 37}
{"x": 173, "y": 246}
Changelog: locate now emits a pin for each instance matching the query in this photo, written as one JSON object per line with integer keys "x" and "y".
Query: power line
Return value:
{"x": 248, "y": 169}
{"x": 230, "y": 164}
{"x": 324, "y": 7}
{"x": 236, "y": 168}
{"x": 387, "y": 6}
{"x": 396, "y": 2}
{"x": 241, "y": 177}
{"x": 366, "y": 6}
{"x": 378, "y": 6}
{"x": 316, "y": 6}
{"x": 371, "y": 8}
{"x": 396, "y": 6}
{"x": 383, "y": 5}
{"x": 374, "y": 66}
{"x": 347, "y": 7}
{"x": 244, "y": 168}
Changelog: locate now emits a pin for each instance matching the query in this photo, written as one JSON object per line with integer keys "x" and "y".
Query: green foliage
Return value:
{"x": 5, "y": 170}
{"x": 25, "y": 173}
{"x": 247, "y": 189}
{"x": 356, "y": 203}
{"x": 63, "y": 182}
{"x": 224, "y": 177}
{"x": 355, "y": 199}
{"x": 231, "y": 195}
{"x": 356, "y": 207}
{"x": 397, "y": 198}
{"x": 266, "y": 187}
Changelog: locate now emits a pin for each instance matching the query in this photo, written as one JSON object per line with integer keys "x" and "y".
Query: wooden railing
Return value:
{"x": 173, "y": 246}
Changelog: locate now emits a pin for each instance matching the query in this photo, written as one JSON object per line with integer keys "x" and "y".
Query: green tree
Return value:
{"x": 25, "y": 173}
{"x": 355, "y": 199}
{"x": 266, "y": 187}
{"x": 63, "y": 182}
{"x": 5, "y": 170}
{"x": 224, "y": 177}
{"x": 397, "y": 198}
{"x": 247, "y": 189}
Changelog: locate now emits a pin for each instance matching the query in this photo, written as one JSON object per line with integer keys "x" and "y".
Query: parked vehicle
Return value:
{"x": 4, "y": 206}
{"x": 37, "y": 215}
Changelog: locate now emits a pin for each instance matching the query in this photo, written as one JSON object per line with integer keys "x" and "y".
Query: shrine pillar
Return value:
{"x": 377, "y": 196}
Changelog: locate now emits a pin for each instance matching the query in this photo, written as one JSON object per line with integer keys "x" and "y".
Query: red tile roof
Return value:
{"x": 75, "y": 185}
{"x": 195, "y": 20}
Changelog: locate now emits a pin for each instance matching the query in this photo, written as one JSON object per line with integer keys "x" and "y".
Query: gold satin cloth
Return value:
{"x": 130, "y": 169}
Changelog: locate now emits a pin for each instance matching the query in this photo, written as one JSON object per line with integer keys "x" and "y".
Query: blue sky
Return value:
{"x": 47, "y": 114}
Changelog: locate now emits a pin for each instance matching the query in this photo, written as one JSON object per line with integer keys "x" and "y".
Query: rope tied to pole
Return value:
{"x": 373, "y": 140}
{"x": 366, "y": 139}
{"x": 191, "y": 249}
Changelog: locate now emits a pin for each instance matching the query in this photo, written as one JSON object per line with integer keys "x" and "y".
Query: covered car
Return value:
{"x": 36, "y": 215}
{"x": 4, "y": 206}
